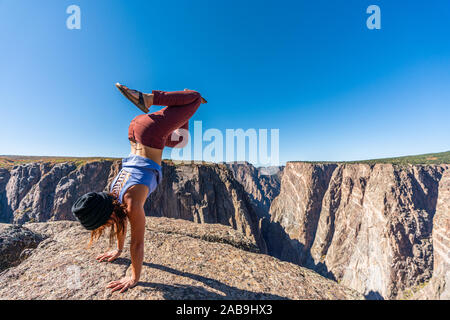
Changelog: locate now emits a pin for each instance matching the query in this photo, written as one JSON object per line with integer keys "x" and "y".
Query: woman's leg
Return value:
{"x": 174, "y": 98}
{"x": 153, "y": 129}
{"x": 146, "y": 100}
{"x": 177, "y": 138}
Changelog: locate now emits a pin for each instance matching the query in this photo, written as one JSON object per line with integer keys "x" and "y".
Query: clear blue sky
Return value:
{"x": 334, "y": 88}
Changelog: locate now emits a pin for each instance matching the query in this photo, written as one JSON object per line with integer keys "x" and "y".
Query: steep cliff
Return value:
{"x": 42, "y": 191}
{"x": 204, "y": 193}
{"x": 379, "y": 228}
{"x": 183, "y": 260}
{"x": 367, "y": 226}
{"x": 439, "y": 285}
{"x": 261, "y": 184}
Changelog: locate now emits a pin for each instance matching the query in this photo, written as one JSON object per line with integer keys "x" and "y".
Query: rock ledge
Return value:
{"x": 183, "y": 260}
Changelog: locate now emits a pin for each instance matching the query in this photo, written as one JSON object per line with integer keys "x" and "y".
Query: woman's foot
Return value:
{"x": 133, "y": 96}
{"x": 203, "y": 99}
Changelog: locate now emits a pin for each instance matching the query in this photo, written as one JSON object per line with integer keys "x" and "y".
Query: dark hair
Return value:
{"x": 117, "y": 225}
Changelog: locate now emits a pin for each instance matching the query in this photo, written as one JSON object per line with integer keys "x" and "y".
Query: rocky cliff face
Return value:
{"x": 203, "y": 193}
{"x": 45, "y": 191}
{"x": 183, "y": 260}
{"x": 439, "y": 285}
{"x": 261, "y": 184}
{"x": 380, "y": 229}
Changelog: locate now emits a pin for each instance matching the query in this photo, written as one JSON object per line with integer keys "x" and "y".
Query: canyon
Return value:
{"x": 380, "y": 229}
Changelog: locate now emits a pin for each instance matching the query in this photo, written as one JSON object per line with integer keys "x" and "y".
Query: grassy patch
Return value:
{"x": 429, "y": 158}
{"x": 410, "y": 292}
{"x": 8, "y": 162}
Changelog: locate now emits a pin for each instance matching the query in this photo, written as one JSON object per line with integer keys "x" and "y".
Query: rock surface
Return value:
{"x": 375, "y": 228}
{"x": 16, "y": 244}
{"x": 183, "y": 260}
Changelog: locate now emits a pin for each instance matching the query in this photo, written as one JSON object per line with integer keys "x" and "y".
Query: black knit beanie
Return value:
{"x": 93, "y": 209}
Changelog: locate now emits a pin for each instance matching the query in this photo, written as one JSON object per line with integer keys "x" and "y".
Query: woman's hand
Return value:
{"x": 122, "y": 285}
{"x": 109, "y": 256}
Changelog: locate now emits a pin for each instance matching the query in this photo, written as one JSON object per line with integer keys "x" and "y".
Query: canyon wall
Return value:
{"x": 381, "y": 229}
{"x": 261, "y": 184}
{"x": 46, "y": 191}
{"x": 203, "y": 193}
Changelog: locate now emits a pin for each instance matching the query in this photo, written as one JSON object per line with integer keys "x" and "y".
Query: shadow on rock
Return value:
{"x": 373, "y": 295}
{"x": 183, "y": 291}
{"x": 229, "y": 291}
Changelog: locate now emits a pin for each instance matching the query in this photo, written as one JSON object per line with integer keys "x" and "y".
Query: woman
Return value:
{"x": 139, "y": 176}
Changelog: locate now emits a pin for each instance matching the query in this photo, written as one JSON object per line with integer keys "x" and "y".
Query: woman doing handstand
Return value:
{"x": 141, "y": 173}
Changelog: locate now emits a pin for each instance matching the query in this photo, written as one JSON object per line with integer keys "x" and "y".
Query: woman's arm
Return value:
{"x": 134, "y": 198}
{"x": 137, "y": 222}
{"x": 114, "y": 254}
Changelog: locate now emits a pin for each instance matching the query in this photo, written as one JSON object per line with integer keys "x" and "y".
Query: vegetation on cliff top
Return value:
{"x": 429, "y": 158}
{"x": 8, "y": 162}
